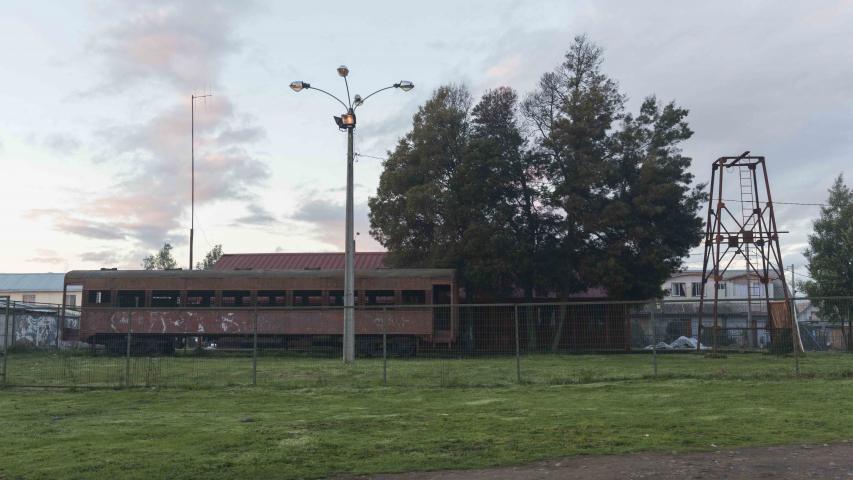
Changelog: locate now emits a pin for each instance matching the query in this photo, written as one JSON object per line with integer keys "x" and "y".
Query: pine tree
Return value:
{"x": 621, "y": 188}
{"x": 830, "y": 258}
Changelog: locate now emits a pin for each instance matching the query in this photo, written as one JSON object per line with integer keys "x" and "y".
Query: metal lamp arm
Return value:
{"x": 349, "y": 97}
{"x": 374, "y": 93}
{"x": 312, "y": 87}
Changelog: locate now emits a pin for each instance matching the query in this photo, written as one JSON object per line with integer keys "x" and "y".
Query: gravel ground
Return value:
{"x": 834, "y": 461}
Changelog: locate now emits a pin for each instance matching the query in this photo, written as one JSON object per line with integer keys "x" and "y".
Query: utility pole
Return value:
{"x": 193, "y": 98}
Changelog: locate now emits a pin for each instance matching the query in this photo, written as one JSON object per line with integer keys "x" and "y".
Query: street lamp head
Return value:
{"x": 405, "y": 85}
{"x": 357, "y": 100}
{"x": 346, "y": 121}
{"x": 343, "y": 71}
{"x": 299, "y": 85}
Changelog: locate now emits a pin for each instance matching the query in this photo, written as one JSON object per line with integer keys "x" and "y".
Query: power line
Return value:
{"x": 370, "y": 156}
{"x": 782, "y": 203}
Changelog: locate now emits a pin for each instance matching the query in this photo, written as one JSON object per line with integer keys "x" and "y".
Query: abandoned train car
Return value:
{"x": 286, "y": 308}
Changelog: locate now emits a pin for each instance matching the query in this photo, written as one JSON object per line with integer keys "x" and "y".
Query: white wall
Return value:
{"x": 736, "y": 288}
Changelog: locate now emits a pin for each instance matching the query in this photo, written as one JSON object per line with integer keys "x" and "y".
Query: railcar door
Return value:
{"x": 441, "y": 313}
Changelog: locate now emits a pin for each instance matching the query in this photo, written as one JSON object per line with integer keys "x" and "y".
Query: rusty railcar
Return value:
{"x": 295, "y": 308}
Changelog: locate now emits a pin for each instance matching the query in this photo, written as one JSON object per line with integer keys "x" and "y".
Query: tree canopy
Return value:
{"x": 830, "y": 250}
{"x": 830, "y": 258}
{"x": 560, "y": 192}
{"x": 210, "y": 258}
{"x": 162, "y": 260}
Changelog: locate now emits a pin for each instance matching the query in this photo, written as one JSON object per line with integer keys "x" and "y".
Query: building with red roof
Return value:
{"x": 298, "y": 261}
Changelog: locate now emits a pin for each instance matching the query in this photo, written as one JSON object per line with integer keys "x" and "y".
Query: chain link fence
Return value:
{"x": 423, "y": 345}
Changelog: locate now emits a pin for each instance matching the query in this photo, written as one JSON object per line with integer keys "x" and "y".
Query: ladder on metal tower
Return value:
{"x": 747, "y": 206}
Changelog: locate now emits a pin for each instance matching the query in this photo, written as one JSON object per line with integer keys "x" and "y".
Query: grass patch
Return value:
{"x": 263, "y": 432}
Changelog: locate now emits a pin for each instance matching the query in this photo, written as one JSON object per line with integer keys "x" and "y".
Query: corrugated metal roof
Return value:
{"x": 31, "y": 282}
{"x": 298, "y": 261}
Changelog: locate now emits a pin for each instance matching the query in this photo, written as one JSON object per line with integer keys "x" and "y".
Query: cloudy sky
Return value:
{"x": 95, "y": 107}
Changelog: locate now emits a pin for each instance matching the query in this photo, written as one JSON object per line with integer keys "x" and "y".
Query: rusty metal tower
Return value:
{"x": 745, "y": 236}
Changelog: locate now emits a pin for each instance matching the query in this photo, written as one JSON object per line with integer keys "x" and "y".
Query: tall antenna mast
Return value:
{"x": 193, "y": 98}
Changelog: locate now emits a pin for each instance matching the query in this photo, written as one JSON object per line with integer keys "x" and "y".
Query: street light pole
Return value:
{"x": 349, "y": 261}
{"x": 347, "y": 122}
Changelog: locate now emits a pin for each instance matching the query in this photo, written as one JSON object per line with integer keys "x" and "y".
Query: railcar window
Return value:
{"x": 99, "y": 297}
{"x": 414, "y": 297}
{"x": 380, "y": 297}
{"x": 307, "y": 298}
{"x": 200, "y": 298}
{"x": 336, "y": 298}
{"x": 131, "y": 298}
{"x": 272, "y": 298}
{"x": 165, "y": 298}
{"x": 236, "y": 298}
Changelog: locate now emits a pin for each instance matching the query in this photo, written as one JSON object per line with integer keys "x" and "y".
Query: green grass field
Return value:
{"x": 64, "y": 369}
{"x": 265, "y": 432}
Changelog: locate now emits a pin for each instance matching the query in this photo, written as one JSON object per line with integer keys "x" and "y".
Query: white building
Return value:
{"x": 741, "y": 307}
{"x": 736, "y": 284}
{"x": 38, "y": 288}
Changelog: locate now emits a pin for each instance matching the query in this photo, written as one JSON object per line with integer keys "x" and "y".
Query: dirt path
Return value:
{"x": 833, "y": 461}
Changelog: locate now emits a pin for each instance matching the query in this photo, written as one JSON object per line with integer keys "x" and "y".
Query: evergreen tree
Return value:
{"x": 571, "y": 115}
{"x": 583, "y": 196}
{"x": 413, "y": 212}
{"x": 648, "y": 220}
{"x": 210, "y": 258}
{"x": 621, "y": 188}
{"x": 161, "y": 260}
{"x": 830, "y": 258}
{"x": 458, "y": 192}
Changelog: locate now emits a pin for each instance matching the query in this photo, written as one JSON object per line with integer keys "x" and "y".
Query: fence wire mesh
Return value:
{"x": 422, "y": 345}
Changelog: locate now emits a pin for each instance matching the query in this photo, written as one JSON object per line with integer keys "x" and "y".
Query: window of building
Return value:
{"x": 755, "y": 288}
{"x": 131, "y": 298}
{"x": 71, "y": 300}
{"x": 29, "y": 298}
{"x": 272, "y": 298}
{"x": 307, "y": 298}
{"x": 696, "y": 289}
{"x": 380, "y": 297}
{"x": 414, "y": 297}
{"x": 99, "y": 297}
{"x": 165, "y": 298}
{"x": 336, "y": 298}
{"x": 236, "y": 298}
{"x": 721, "y": 286}
{"x": 678, "y": 289}
{"x": 201, "y": 298}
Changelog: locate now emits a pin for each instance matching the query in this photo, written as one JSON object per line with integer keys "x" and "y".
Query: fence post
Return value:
{"x": 795, "y": 336}
{"x": 384, "y": 359}
{"x": 127, "y": 353}
{"x": 6, "y": 338}
{"x": 255, "y": 346}
{"x": 384, "y": 348}
{"x": 58, "y": 325}
{"x": 517, "y": 349}
{"x": 653, "y": 319}
{"x": 14, "y": 325}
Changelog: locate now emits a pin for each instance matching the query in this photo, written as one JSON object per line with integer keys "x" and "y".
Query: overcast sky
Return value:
{"x": 95, "y": 107}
